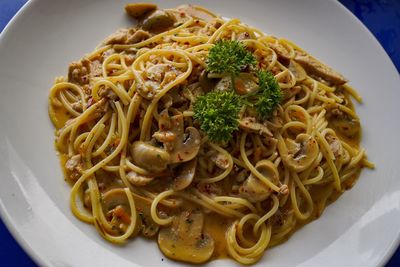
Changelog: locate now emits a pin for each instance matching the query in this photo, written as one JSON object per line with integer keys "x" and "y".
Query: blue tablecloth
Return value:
{"x": 382, "y": 17}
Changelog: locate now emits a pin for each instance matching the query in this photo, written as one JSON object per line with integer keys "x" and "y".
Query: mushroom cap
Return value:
{"x": 245, "y": 84}
{"x": 185, "y": 241}
{"x": 349, "y": 127}
{"x": 297, "y": 70}
{"x": 158, "y": 21}
{"x": 206, "y": 83}
{"x": 182, "y": 145}
{"x": 147, "y": 226}
{"x": 300, "y": 153}
{"x": 186, "y": 150}
{"x": 138, "y": 10}
{"x": 149, "y": 157}
{"x": 344, "y": 122}
{"x": 113, "y": 201}
{"x": 185, "y": 176}
{"x": 113, "y": 198}
{"x": 255, "y": 190}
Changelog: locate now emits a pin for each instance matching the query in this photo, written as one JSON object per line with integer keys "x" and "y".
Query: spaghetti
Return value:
{"x": 140, "y": 165}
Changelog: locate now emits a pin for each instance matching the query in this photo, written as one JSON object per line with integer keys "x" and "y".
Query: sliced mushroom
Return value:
{"x": 137, "y": 179}
{"x": 147, "y": 227}
{"x": 297, "y": 70}
{"x": 245, "y": 84}
{"x": 115, "y": 197}
{"x": 255, "y": 190}
{"x": 207, "y": 84}
{"x": 250, "y": 124}
{"x": 313, "y": 66}
{"x": 158, "y": 21}
{"x": 185, "y": 240}
{"x": 149, "y": 157}
{"x": 116, "y": 207}
{"x": 344, "y": 123}
{"x": 186, "y": 149}
{"x": 349, "y": 127}
{"x": 196, "y": 12}
{"x": 183, "y": 145}
{"x": 282, "y": 53}
{"x": 139, "y": 10}
{"x": 299, "y": 154}
{"x": 185, "y": 176}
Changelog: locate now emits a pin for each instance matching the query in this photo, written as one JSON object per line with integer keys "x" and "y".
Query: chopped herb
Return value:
{"x": 218, "y": 111}
{"x": 229, "y": 57}
{"x": 218, "y": 114}
{"x": 268, "y": 96}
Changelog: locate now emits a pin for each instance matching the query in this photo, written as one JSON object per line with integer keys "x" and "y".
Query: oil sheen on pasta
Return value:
{"x": 138, "y": 163}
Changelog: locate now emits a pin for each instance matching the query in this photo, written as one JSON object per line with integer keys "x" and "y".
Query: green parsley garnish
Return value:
{"x": 268, "y": 96}
{"x": 229, "y": 57}
{"x": 218, "y": 113}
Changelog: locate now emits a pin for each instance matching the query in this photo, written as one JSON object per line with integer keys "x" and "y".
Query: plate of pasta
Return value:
{"x": 213, "y": 132}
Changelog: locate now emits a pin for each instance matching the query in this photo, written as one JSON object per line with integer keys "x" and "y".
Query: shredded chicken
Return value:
{"x": 220, "y": 160}
{"x": 127, "y": 36}
{"x": 250, "y": 124}
{"x": 78, "y": 73}
{"x": 137, "y": 179}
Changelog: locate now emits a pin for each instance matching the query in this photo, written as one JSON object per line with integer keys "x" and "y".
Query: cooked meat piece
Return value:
{"x": 118, "y": 37}
{"x": 95, "y": 68}
{"x": 137, "y": 179}
{"x": 221, "y": 161}
{"x": 139, "y": 10}
{"x": 344, "y": 123}
{"x": 243, "y": 36}
{"x": 73, "y": 162}
{"x": 281, "y": 51}
{"x": 196, "y": 12}
{"x": 127, "y": 36}
{"x": 315, "y": 67}
{"x": 137, "y": 37}
{"x": 250, "y": 124}
{"x": 78, "y": 73}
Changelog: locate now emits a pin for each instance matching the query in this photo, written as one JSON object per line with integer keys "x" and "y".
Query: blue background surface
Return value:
{"x": 382, "y": 18}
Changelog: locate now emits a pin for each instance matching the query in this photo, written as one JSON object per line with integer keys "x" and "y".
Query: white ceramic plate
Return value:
{"x": 360, "y": 229}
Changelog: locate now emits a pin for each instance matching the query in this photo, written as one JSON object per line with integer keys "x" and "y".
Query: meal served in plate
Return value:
{"x": 204, "y": 134}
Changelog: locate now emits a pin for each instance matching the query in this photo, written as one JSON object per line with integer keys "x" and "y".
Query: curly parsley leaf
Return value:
{"x": 218, "y": 114}
{"x": 229, "y": 57}
{"x": 269, "y": 94}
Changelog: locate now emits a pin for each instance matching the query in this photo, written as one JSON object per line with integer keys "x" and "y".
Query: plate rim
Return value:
{"x": 42, "y": 260}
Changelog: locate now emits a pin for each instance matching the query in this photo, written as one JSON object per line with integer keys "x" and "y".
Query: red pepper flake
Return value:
{"x": 116, "y": 142}
{"x": 90, "y": 102}
{"x": 179, "y": 157}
